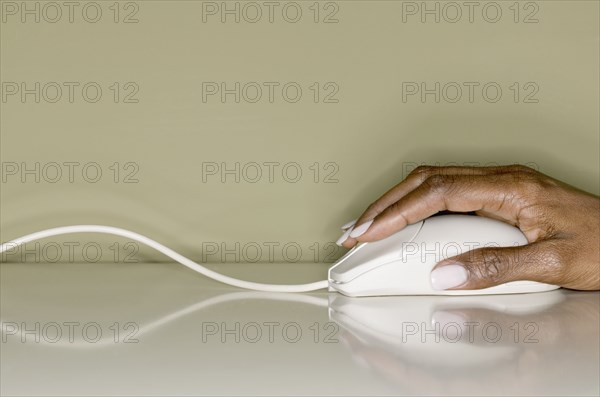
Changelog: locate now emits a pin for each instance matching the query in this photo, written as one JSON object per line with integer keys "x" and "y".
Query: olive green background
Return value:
{"x": 371, "y": 135}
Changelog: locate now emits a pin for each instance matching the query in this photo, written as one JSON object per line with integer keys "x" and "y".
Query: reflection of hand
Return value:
{"x": 561, "y": 223}
{"x": 575, "y": 317}
{"x": 529, "y": 361}
{"x": 488, "y": 327}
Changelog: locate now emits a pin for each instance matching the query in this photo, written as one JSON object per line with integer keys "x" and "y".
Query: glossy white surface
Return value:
{"x": 377, "y": 346}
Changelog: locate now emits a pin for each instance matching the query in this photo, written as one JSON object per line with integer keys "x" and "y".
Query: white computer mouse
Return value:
{"x": 401, "y": 263}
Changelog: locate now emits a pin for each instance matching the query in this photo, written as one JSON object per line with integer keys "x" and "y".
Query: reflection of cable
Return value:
{"x": 168, "y": 252}
{"x": 204, "y": 304}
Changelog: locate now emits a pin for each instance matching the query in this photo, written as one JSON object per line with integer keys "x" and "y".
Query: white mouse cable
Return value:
{"x": 168, "y": 252}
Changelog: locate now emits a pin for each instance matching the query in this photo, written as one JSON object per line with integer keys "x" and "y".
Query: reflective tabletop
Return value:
{"x": 160, "y": 329}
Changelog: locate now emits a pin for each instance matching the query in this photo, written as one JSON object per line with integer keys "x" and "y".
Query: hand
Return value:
{"x": 561, "y": 223}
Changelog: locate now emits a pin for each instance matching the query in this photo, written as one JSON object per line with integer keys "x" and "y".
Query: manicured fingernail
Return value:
{"x": 448, "y": 276}
{"x": 344, "y": 236}
{"x": 349, "y": 224}
{"x": 361, "y": 229}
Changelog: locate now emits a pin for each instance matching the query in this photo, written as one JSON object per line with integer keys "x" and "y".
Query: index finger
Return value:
{"x": 458, "y": 193}
{"x": 413, "y": 181}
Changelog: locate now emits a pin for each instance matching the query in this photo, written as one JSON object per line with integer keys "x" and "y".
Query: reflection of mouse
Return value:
{"x": 401, "y": 263}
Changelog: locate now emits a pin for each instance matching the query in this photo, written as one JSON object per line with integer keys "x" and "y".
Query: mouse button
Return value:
{"x": 367, "y": 256}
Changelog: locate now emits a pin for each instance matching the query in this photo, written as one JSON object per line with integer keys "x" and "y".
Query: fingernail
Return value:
{"x": 344, "y": 236}
{"x": 360, "y": 230}
{"x": 349, "y": 224}
{"x": 448, "y": 276}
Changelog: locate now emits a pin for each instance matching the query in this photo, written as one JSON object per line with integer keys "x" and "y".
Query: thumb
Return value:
{"x": 487, "y": 267}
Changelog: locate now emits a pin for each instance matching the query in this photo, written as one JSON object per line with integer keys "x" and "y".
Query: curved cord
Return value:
{"x": 168, "y": 252}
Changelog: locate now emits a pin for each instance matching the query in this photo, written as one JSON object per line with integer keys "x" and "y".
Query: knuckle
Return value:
{"x": 520, "y": 168}
{"x": 536, "y": 188}
{"x": 545, "y": 261}
{"x": 393, "y": 211}
{"x": 491, "y": 266}
{"x": 550, "y": 257}
{"x": 374, "y": 208}
{"x": 531, "y": 186}
{"x": 423, "y": 171}
{"x": 527, "y": 181}
{"x": 438, "y": 183}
